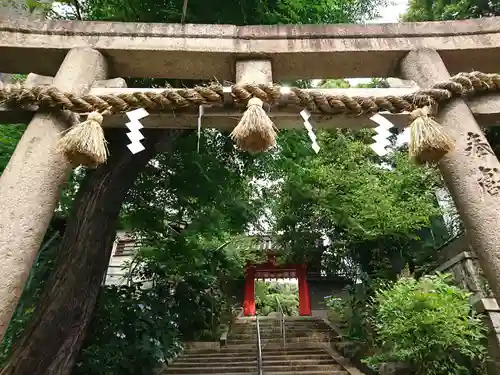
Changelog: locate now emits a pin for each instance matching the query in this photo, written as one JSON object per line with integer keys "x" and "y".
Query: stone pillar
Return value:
{"x": 31, "y": 183}
{"x": 249, "y": 295}
{"x": 471, "y": 171}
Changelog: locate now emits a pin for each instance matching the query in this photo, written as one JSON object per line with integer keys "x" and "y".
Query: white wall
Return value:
{"x": 117, "y": 274}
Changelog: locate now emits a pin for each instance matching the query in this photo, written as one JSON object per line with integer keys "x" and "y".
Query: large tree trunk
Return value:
{"x": 51, "y": 343}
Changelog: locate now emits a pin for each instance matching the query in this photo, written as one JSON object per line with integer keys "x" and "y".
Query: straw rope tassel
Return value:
{"x": 255, "y": 132}
{"x": 429, "y": 142}
{"x": 84, "y": 143}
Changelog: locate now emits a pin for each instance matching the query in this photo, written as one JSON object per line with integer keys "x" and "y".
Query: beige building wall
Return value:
{"x": 118, "y": 269}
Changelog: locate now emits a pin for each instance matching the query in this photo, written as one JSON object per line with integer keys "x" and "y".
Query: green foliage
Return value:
{"x": 334, "y": 84}
{"x": 437, "y": 10}
{"x": 369, "y": 213}
{"x": 375, "y": 83}
{"x": 376, "y": 213}
{"x": 9, "y": 137}
{"x": 193, "y": 270}
{"x": 429, "y": 324}
{"x": 133, "y": 331}
{"x": 268, "y": 294}
{"x": 177, "y": 292}
{"x": 355, "y": 312}
{"x": 212, "y": 191}
{"x": 239, "y": 12}
{"x": 28, "y": 6}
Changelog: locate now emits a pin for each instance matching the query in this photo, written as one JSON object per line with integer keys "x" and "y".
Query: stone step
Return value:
{"x": 304, "y": 353}
{"x": 249, "y": 362}
{"x": 332, "y": 369}
{"x": 277, "y": 333}
{"x": 251, "y": 328}
{"x": 293, "y": 362}
{"x": 278, "y": 322}
{"x": 248, "y": 367}
{"x": 340, "y": 372}
{"x": 253, "y": 335}
{"x": 309, "y": 335}
{"x": 277, "y": 325}
{"x": 277, "y": 340}
{"x": 279, "y": 345}
{"x": 248, "y": 357}
{"x": 246, "y": 329}
{"x": 264, "y": 319}
{"x": 268, "y": 335}
{"x": 291, "y": 349}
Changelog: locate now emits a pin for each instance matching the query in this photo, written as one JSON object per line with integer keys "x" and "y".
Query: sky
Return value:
{"x": 391, "y": 13}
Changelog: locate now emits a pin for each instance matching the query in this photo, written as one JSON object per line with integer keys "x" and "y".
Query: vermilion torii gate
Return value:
{"x": 271, "y": 270}
{"x": 78, "y": 54}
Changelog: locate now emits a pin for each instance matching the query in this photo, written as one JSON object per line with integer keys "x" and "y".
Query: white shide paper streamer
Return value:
{"x": 134, "y": 126}
{"x": 306, "y": 116}
{"x": 383, "y": 133}
{"x": 201, "y": 112}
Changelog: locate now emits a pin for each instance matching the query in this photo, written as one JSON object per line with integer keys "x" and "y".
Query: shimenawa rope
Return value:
{"x": 462, "y": 84}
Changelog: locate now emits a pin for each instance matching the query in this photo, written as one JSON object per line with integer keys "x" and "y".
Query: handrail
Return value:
{"x": 282, "y": 321}
{"x": 259, "y": 347}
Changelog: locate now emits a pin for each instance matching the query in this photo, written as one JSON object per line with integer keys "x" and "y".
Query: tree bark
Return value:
{"x": 51, "y": 343}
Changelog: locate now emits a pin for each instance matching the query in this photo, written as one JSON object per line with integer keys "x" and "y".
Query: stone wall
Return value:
{"x": 459, "y": 259}
{"x": 319, "y": 289}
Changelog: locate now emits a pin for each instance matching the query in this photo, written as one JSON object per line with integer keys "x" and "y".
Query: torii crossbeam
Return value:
{"x": 80, "y": 53}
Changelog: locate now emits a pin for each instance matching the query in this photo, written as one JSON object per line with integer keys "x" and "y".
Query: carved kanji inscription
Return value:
{"x": 477, "y": 145}
{"x": 490, "y": 180}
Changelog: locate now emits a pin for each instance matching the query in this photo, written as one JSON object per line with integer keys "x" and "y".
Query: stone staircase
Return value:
{"x": 306, "y": 352}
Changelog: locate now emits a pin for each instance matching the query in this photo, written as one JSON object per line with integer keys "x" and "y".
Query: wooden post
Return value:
{"x": 31, "y": 183}
{"x": 304, "y": 300}
{"x": 249, "y": 294}
{"x": 471, "y": 171}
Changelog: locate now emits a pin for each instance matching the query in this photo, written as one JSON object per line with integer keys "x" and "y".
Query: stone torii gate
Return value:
{"x": 78, "y": 54}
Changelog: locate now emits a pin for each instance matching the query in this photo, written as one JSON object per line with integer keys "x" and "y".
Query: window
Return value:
{"x": 125, "y": 247}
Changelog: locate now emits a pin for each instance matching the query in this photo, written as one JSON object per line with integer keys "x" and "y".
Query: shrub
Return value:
{"x": 133, "y": 331}
{"x": 267, "y": 294}
{"x": 430, "y": 325}
{"x": 356, "y": 312}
